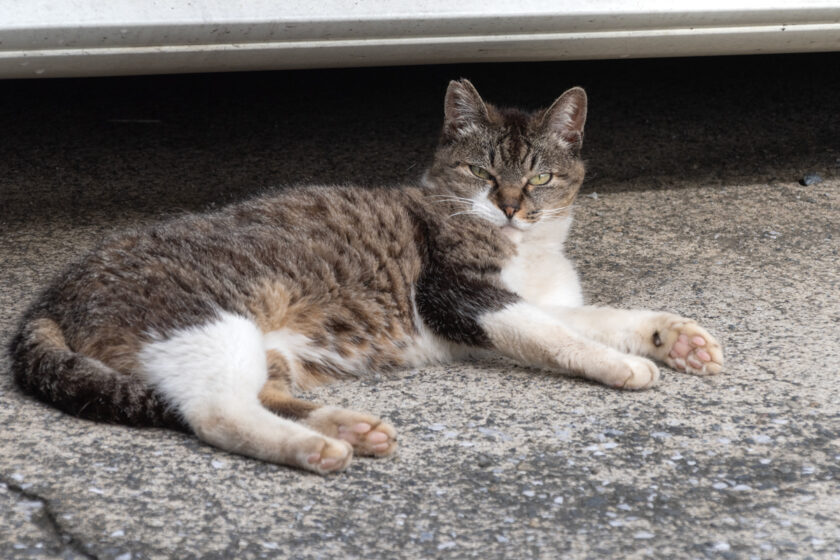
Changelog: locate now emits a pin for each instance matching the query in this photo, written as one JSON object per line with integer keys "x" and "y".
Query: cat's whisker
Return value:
{"x": 465, "y": 212}
{"x": 484, "y": 212}
{"x": 554, "y": 211}
{"x": 554, "y": 215}
{"x": 453, "y": 200}
{"x": 552, "y": 219}
{"x": 450, "y": 197}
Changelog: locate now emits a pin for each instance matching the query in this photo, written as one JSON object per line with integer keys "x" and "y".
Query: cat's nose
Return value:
{"x": 510, "y": 209}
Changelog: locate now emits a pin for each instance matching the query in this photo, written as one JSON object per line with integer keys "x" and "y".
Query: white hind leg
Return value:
{"x": 212, "y": 374}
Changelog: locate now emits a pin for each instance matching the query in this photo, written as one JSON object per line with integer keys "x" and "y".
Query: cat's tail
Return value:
{"x": 45, "y": 367}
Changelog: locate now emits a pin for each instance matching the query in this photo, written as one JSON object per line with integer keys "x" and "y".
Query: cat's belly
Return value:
{"x": 308, "y": 363}
{"x": 321, "y": 343}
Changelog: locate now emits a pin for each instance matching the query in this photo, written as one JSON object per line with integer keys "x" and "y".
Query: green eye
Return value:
{"x": 540, "y": 179}
{"x": 480, "y": 172}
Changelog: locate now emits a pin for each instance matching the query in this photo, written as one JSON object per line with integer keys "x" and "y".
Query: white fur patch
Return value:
{"x": 524, "y": 332}
{"x": 532, "y": 336}
{"x": 426, "y": 348}
{"x": 628, "y": 330}
{"x": 485, "y": 209}
{"x": 199, "y": 366}
{"x": 212, "y": 374}
{"x": 540, "y": 273}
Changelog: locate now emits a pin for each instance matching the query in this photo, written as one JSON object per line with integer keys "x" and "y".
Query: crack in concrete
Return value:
{"x": 776, "y": 377}
{"x": 50, "y": 521}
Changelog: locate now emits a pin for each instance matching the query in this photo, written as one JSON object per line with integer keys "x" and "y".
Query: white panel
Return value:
{"x": 82, "y": 37}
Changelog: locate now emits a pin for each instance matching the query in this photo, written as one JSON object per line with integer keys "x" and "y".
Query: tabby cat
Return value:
{"x": 207, "y": 323}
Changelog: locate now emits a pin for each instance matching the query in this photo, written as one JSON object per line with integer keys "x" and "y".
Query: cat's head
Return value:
{"x": 507, "y": 166}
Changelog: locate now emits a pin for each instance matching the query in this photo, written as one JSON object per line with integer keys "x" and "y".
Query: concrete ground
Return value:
{"x": 692, "y": 205}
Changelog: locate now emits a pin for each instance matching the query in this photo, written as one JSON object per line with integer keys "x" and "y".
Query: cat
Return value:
{"x": 207, "y": 323}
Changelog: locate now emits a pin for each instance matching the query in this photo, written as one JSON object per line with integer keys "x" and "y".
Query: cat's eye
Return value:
{"x": 480, "y": 172}
{"x": 540, "y": 179}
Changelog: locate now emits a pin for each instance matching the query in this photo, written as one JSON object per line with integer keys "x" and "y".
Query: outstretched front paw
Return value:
{"x": 686, "y": 346}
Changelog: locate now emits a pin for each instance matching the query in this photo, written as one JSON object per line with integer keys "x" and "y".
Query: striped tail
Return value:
{"x": 45, "y": 367}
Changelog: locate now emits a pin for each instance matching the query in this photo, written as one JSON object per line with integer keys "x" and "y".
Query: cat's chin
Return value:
{"x": 513, "y": 233}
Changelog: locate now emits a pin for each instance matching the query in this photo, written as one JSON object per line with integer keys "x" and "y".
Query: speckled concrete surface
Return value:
{"x": 495, "y": 461}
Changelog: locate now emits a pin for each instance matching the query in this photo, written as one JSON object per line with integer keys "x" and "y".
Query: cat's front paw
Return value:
{"x": 686, "y": 346}
{"x": 367, "y": 434}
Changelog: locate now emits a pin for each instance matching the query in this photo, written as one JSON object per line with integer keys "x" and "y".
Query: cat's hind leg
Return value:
{"x": 212, "y": 375}
{"x": 367, "y": 434}
{"x": 679, "y": 342}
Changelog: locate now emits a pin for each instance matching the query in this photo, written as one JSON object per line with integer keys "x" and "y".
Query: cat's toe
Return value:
{"x": 640, "y": 373}
{"x": 367, "y": 434}
{"x": 380, "y": 440}
{"x": 326, "y": 455}
{"x": 693, "y": 349}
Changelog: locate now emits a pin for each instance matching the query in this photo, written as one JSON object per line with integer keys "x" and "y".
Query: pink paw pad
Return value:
{"x": 377, "y": 437}
{"x": 378, "y": 441}
{"x": 368, "y": 439}
{"x": 355, "y": 433}
{"x": 326, "y": 463}
{"x": 334, "y": 456}
{"x": 361, "y": 428}
{"x": 694, "y": 350}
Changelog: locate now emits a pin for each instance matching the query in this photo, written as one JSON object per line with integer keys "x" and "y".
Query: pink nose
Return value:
{"x": 510, "y": 209}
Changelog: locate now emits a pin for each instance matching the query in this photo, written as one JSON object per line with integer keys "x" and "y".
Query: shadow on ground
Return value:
{"x": 190, "y": 141}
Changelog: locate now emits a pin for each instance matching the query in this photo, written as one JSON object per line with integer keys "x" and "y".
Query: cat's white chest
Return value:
{"x": 540, "y": 273}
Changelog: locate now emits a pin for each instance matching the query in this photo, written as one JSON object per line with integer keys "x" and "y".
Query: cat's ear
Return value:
{"x": 566, "y": 117}
{"x": 464, "y": 109}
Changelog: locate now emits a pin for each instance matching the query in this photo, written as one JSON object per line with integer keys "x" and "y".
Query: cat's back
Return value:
{"x": 322, "y": 246}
